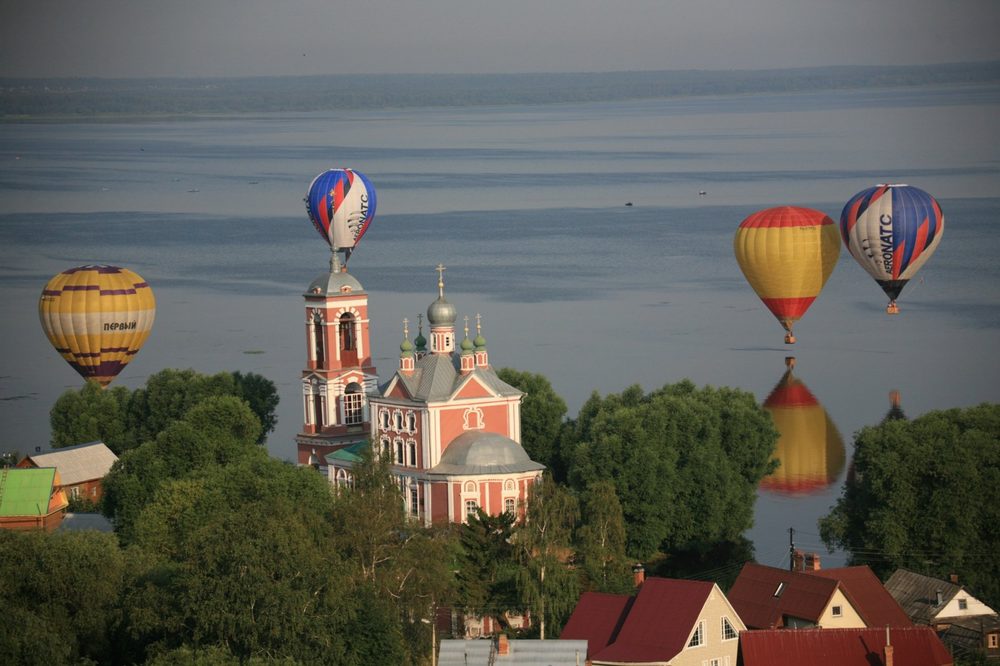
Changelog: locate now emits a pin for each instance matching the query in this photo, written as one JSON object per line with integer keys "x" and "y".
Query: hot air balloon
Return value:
{"x": 341, "y": 205}
{"x": 891, "y": 230}
{"x": 810, "y": 449}
{"x": 97, "y": 317}
{"x": 787, "y": 254}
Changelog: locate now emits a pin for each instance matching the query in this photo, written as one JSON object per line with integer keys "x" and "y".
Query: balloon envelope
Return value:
{"x": 810, "y": 449}
{"x": 341, "y": 205}
{"x": 892, "y": 230}
{"x": 97, "y": 317}
{"x": 787, "y": 254}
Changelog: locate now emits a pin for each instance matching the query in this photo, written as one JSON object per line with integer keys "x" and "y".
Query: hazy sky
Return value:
{"x": 122, "y": 38}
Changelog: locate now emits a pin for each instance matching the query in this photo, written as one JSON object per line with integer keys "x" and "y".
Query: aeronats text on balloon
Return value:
{"x": 354, "y": 224}
{"x": 885, "y": 236}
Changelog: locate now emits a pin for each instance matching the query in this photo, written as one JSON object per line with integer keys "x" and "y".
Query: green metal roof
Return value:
{"x": 26, "y": 492}
{"x": 350, "y": 453}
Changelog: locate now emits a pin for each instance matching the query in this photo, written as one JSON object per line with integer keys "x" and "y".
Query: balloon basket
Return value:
{"x": 789, "y": 339}
{"x": 892, "y": 308}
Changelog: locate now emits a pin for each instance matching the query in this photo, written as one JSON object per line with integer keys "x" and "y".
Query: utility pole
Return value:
{"x": 791, "y": 549}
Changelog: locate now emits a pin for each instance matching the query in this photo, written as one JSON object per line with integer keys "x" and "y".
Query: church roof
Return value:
{"x": 436, "y": 377}
{"x": 333, "y": 283}
{"x": 478, "y": 452}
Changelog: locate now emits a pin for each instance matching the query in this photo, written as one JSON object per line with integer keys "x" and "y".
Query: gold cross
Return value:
{"x": 440, "y": 269}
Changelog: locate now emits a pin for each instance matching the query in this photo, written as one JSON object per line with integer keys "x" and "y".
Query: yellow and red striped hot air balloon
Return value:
{"x": 810, "y": 449}
{"x": 787, "y": 254}
{"x": 97, "y": 317}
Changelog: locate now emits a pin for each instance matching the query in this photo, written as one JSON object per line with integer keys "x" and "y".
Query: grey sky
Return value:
{"x": 122, "y": 38}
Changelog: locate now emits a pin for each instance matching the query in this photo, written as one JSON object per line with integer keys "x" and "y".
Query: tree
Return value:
{"x": 59, "y": 593}
{"x": 600, "y": 541}
{"x": 91, "y": 414}
{"x": 218, "y": 431}
{"x": 241, "y": 556}
{"x": 685, "y": 462}
{"x": 543, "y": 541}
{"x": 542, "y": 415}
{"x": 125, "y": 419}
{"x": 488, "y": 569}
{"x": 925, "y": 495}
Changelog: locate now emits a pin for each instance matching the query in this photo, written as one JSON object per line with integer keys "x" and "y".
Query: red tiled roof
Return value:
{"x": 660, "y": 621}
{"x": 802, "y": 596}
{"x": 912, "y": 646}
{"x": 597, "y": 619}
{"x": 868, "y": 596}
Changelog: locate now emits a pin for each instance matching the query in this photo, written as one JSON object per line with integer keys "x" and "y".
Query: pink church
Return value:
{"x": 449, "y": 424}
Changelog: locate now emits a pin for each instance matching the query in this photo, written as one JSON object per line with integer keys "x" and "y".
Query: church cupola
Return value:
{"x": 420, "y": 341}
{"x": 482, "y": 360}
{"x": 406, "y": 360}
{"x": 468, "y": 359}
{"x": 441, "y": 316}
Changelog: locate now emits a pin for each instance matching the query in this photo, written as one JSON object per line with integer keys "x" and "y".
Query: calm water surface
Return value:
{"x": 525, "y": 205}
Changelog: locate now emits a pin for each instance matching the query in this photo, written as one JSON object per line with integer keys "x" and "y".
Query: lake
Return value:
{"x": 525, "y": 205}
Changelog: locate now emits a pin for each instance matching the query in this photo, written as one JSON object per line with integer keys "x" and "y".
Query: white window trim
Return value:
{"x": 699, "y": 631}
{"x": 736, "y": 633}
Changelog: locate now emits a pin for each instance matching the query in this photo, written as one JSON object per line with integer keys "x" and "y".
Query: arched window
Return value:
{"x": 383, "y": 417}
{"x": 397, "y": 420}
{"x": 385, "y": 446}
{"x": 411, "y": 422}
{"x": 399, "y": 452}
{"x": 347, "y": 342}
{"x": 318, "y": 338}
{"x": 509, "y": 485}
{"x": 470, "y": 487}
{"x": 413, "y": 451}
{"x": 353, "y": 404}
{"x": 509, "y": 505}
{"x": 472, "y": 419}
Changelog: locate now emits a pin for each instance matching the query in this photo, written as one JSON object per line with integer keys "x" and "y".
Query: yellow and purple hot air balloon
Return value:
{"x": 787, "y": 254}
{"x": 97, "y": 317}
{"x": 892, "y": 230}
{"x": 810, "y": 449}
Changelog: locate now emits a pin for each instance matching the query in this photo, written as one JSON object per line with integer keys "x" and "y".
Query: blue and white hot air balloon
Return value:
{"x": 341, "y": 205}
{"x": 892, "y": 230}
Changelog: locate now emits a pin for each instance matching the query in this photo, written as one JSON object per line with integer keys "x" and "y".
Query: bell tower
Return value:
{"x": 339, "y": 375}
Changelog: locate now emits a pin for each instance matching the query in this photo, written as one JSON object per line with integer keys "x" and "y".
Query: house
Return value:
{"x": 933, "y": 601}
{"x": 970, "y": 635}
{"x": 771, "y": 598}
{"x": 31, "y": 499}
{"x": 667, "y": 622}
{"x": 903, "y": 646}
{"x": 512, "y": 652}
{"x": 82, "y": 468}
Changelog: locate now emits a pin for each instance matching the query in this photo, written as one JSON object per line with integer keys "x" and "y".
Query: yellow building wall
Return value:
{"x": 714, "y": 647}
{"x": 849, "y": 618}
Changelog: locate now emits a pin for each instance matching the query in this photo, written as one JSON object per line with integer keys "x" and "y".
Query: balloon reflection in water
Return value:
{"x": 810, "y": 449}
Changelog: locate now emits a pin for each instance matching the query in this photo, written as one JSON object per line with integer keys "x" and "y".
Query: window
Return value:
{"x": 993, "y": 640}
{"x": 411, "y": 422}
{"x": 508, "y": 505}
{"x": 347, "y": 331}
{"x": 414, "y": 507}
{"x": 353, "y": 412}
{"x": 385, "y": 446}
{"x": 397, "y": 420}
{"x": 781, "y": 588}
{"x": 318, "y": 338}
{"x": 963, "y": 604}
{"x": 383, "y": 417}
{"x": 698, "y": 637}
{"x": 728, "y": 630}
{"x": 413, "y": 452}
{"x": 470, "y": 508}
{"x": 837, "y": 611}
{"x": 399, "y": 452}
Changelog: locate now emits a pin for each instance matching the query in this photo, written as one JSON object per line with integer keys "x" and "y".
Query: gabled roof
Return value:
{"x": 436, "y": 378}
{"x": 912, "y": 646}
{"x": 76, "y": 464}
{"x": 654, "y": 627}
{"x": 917, "y": 594}
{"x": 868, "y": 596}
{"x": 761, "y": 605}
{"x": 29, "y": 492}
{"x": 597, "y": 618}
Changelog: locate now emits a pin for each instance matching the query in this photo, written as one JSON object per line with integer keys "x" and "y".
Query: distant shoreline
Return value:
{"x": 122, "y": 100}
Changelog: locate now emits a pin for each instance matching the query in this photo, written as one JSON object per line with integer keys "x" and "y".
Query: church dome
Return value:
{"x": 478, "y": 452}
{"x": 331, "y": 284}
{"x": 441, "y": 313}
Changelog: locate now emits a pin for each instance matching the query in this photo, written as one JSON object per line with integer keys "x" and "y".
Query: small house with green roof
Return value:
{"x": 31, "y": 499}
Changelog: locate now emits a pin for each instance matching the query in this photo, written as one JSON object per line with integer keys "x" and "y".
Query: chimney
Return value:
{"x": 503, "y": 646}
{"x": 888, "y": 648}
{"x": 953, "y": 578}
{"x": 940, "y": 598}
{"x": 812, "y": 562}
{"x": 638, "y": 574}
{"x": 798, "y": 560}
